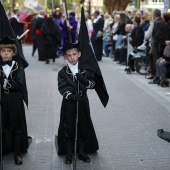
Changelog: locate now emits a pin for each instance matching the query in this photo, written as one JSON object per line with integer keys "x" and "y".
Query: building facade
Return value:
{"x": 152, "y": 4}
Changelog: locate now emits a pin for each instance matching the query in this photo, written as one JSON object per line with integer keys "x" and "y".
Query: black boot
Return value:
{"x": 82, "y": 155}
{"x": 47, "y": 61}
{"x": 17, "y": 160}
{"x": 69, "y": 157}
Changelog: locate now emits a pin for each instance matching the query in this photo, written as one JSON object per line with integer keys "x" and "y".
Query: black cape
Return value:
{"x": 51, "y": 37}
{"x": 66, "y": 131}
{"x": 88, "y": 61}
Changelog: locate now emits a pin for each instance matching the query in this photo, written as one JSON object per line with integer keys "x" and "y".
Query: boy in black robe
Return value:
{"x": 13, "y": 92}
{"x": 68, "y": 78}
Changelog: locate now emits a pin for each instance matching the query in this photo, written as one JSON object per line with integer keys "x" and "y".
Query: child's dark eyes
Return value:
{"x": 6, "y": 51}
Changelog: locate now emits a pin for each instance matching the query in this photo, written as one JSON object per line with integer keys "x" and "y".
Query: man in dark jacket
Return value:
{"x": 158, "y": 41}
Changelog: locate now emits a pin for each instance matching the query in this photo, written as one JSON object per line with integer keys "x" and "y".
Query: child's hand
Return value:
{"x": 81, "y": 79}
{"x": 74, "y": 97}
{"x": 5, "y": 83}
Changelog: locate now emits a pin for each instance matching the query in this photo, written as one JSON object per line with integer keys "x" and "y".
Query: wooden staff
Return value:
{"x": 76, "y": 127}
{"x": 1, "y": 154}
{"x": 67, "y": 21}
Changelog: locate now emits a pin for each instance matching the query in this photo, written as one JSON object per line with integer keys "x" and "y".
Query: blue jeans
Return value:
{"x": 104, "y": 42}
{"x": 119, "y": 41}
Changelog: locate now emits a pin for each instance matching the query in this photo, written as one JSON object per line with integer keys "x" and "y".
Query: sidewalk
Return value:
{"x": 126, "y": 129}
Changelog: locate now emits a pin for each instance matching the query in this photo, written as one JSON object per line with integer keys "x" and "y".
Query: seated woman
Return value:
{"x": 137, "y": 36}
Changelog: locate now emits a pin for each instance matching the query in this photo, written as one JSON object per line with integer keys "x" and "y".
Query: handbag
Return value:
{"x": 115, "y": 37}
{"x": 167, "y": 51}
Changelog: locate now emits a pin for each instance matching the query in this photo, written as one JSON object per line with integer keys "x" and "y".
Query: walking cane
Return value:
{"x": 76, "y": 128}
{"x": 67, "y": 21}
{"x": 1, "y": 155}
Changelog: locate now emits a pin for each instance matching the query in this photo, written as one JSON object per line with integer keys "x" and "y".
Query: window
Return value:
{"x": 157, "y": 1}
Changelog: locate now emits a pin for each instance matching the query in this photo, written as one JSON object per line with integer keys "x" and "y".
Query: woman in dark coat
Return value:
{"x": 137, "y": 37}
{"x": 51, "y": 36}
{"x": 97, "y": 37}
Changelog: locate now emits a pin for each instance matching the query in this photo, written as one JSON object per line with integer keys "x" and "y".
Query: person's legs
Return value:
{"x": 104, "y": 43}
{"x": 119, "y": 41}
{"x": 163, "y": 71}
{"x": 17, "y": 147}
{"x": 123, "y": 55}
{"x": 131, "y": 62}
{"x": 158, "y": 71}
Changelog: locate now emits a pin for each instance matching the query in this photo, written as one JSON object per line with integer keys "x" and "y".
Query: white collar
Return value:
{"x": 16, "y": 17}
{"x": 96, "y": 19}
{"x": 7, "y": 69}
{"x": 73, "y": 68}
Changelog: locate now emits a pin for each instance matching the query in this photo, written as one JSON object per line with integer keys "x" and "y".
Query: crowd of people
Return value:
{"x": 125, "y": 32}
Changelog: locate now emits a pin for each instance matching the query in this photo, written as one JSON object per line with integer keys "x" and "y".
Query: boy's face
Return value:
{"x": 6, "y": 54}
{"x": 72, "y": 55}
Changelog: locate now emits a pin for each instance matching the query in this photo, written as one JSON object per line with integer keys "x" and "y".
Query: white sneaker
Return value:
{"x": 168, "y": 94}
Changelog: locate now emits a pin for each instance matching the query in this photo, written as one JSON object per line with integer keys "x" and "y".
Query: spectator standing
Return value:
{"x": 159, "y": 35}
{"x": 106, "y": 30}
{"x": 89, "y": 24}
{"x": 121, "y": 29}
{"x": 145, "y": 22}
{"x": 114, "y": 29}
{"x": 97, "y": 35}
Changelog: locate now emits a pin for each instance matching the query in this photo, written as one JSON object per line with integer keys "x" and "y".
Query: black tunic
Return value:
{"x": 13, "y": 111}
{"x": 51, "y": 36}
{"x": 66, "y": 131}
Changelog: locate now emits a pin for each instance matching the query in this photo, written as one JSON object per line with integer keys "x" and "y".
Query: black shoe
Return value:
{"x": 17, "y": 160}
{"x": 126, "y": 69}
{"x": 156, "y": 80}
{"x": 53, "y": 60}
{"x": 84, "y": 158}
{"x": 132, "y": 69}
{"x": 68, "y": 159}
{"x": 47, "y": 62}
{"x": 151, "y": 77}
{"x": 164, "y": 83}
